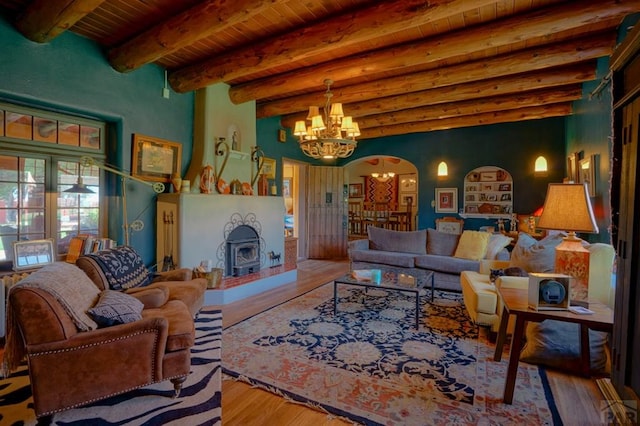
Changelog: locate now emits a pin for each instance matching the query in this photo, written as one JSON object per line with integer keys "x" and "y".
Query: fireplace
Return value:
{"x": 242, "y": 254}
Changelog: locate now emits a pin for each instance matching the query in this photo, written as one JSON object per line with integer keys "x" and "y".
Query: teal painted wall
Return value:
{"x": 71, "y": 75}
{"x": 512, "y": 146}
{"x": 589, "y": 132}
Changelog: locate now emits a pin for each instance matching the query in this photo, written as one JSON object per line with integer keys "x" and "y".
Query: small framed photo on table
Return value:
{"x": 32, "y": 254}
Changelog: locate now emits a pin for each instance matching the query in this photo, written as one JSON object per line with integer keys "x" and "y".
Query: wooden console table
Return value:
{"x": 516, "y": 303}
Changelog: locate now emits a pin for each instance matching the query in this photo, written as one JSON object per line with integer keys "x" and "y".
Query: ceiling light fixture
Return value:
{"x": 335, "y": 139}
{"x": 383, "y": 176}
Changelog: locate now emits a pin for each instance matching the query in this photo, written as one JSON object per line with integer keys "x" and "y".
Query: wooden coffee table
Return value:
{"x": 390, "y": 280}
{"x": 516, "y": 303}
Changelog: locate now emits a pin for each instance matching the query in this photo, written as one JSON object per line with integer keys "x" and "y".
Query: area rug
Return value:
{"x": 369, "y": 365}
{"x": 199, "y": 402}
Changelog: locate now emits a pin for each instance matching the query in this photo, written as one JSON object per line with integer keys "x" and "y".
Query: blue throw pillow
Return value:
{"x": 114, "y": 308}
{"x": 122, "y": 267}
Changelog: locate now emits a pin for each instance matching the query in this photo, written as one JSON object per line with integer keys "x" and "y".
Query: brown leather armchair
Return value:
{"x": 70, "y": 368}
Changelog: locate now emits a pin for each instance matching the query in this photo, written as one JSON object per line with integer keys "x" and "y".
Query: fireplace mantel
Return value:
{"x": 201, "y": 223}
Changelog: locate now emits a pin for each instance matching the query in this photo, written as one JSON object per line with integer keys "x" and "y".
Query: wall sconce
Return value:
{"x": 443, "y": 170}
{"x": 540, "y": 167}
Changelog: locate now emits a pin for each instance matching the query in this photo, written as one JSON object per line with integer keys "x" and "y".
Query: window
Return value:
{"x": 39, "y": 160}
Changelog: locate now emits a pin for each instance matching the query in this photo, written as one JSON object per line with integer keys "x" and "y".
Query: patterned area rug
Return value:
{"x": 368, "y": 364}
{"x": 198, "y": 404}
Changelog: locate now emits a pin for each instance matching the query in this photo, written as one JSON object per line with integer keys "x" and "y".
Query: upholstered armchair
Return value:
{"x": 80, "y": 349}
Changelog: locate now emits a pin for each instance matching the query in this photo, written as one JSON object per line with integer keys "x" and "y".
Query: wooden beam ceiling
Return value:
{"x": 399, "y": 66}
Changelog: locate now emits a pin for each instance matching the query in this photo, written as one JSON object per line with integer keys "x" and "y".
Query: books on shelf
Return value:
{"x": 85, "y": 244}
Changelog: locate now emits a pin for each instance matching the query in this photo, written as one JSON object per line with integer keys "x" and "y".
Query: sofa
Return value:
{"x": 480, "y": 295}
{"x": 86, "y": 340}
{"x": 416, "y": 252}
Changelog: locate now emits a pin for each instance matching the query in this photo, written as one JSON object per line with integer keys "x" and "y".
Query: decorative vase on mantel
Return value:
{"x": 263, "y": 185}
{"x": 207, "y": 180}
{"x": 176, "y": 182}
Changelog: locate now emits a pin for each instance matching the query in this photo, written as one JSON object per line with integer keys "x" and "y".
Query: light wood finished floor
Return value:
{"x": 578, "y": 399}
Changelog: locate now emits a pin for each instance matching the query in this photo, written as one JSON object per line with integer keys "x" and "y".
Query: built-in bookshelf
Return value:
{"x": 488, "y": 192}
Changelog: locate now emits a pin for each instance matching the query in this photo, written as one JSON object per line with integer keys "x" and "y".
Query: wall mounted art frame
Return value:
{"x": 155, "y": 159}
{"x": 408, "y": 183}
{"x": 446, "y": 200}
{"x": 269, "y": 168}
{"x": 282, "y": 135}
{"x": 32, "y": 254}
{"x": 355, "y": 190}
{"x": 572, "y": 167}
{"x": 588, "y": 174}
{"x": 406, "y": 196}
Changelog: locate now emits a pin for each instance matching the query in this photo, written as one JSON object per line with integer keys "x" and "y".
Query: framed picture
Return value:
{"x": 471, "y": 209}
{"x": 588, "y": 174}
{"x": 269, "y": 168}
{"x": 505, "y": 187}
{"x": 408, "y": 198}
{"x": 282, "y": 135}
{"x": 449, "y": 225}
{"x": 32, "y": 254}
{"x": 286, "y": 187}
{"x": 446, "y": 200}
{"x": 489, "y": 176}
{"x": 408, "y": 183}
{"x": 155, "y": 159}
{"x": 572, "y": 167}
{"x": 355, "y": 190}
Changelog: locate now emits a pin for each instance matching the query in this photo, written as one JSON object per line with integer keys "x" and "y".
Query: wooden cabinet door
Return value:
{"x": 327, "y": 225}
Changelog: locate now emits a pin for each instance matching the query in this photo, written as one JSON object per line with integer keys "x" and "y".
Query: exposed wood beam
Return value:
{"x": 513, "y": 63}
{"x": 538, "y": 24}
{"x": 382, "y": 18}
{"x": 469, "y": 107}
{"x": 538, "y": 57}
{"x": 44, "y": 20}
{"x": 473, "y": 90}
{"x": 199, "y": 22}
{"x": 530, "y": 113}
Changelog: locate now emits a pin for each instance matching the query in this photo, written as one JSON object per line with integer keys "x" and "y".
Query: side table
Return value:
{"x": 516, "y": 303}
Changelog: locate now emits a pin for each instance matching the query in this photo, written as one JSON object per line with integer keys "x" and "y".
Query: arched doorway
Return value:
{"x": 386, "y": 201}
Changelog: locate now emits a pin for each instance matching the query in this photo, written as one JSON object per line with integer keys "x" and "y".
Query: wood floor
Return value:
{"x": 578, "y": 399}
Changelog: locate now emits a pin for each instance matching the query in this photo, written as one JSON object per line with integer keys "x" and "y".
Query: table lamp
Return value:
{"x": 567, "y": 208}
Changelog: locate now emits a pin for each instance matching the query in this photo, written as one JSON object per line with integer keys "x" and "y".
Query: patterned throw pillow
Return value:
{"x": 122, "y": 267}
{"x": 115, "y": 307}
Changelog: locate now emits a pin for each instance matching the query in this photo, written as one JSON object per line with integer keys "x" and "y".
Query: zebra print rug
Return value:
{"x": 198, "y": 404}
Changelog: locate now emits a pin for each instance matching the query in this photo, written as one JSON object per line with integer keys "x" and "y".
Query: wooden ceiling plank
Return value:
{"x": 476, "y": 90}
{"x": 539, "y": 58}
{"x": 44, "y": 20}
{"x": 199, "y": 22}
{"x": 521, "y": 114}
{"x": 465, "y": 107}
{"x": 347, "y": 29}
{"x": 534, "y": 26}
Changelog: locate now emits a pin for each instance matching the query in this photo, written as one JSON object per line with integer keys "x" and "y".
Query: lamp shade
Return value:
{"x": 567, "y": 208}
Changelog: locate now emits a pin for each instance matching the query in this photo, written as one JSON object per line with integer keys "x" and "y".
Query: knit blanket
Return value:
{"x": 70, "y": 287}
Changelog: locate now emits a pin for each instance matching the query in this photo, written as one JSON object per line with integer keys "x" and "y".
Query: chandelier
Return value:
{"x": 383, "y": 176}
{"x": 331, "y": 137}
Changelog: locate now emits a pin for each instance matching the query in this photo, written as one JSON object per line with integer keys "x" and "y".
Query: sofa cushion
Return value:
{"x": 392, "y": 258}
{"x": 472, "y": 245}
{"x": 497, "y": 242}
{"x": 153, "y": 296}
{"x": 535, "y": 256}
{"x": 441, "y": 243}
{"x": 115, "y": 307}
{"x": 116, "y": 269}
{"x": 400, "y": 241}
{"x": 557, "y": 344}
{"x": 448, "y": 264}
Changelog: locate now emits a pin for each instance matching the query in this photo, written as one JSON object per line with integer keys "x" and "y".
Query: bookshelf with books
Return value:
{"x": 85, "y": 244}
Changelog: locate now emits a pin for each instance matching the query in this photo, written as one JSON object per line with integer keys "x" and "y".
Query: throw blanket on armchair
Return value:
{"x": 69, "y": 286}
